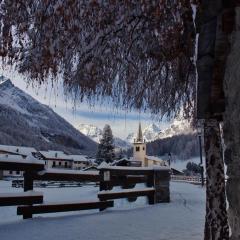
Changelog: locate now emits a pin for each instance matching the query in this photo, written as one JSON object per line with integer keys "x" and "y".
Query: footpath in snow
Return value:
{"x": 182, "y": 219}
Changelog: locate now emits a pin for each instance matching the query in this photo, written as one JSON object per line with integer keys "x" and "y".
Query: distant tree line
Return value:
{"x": 192, "y": 169}
{"x": 183, "y": 146}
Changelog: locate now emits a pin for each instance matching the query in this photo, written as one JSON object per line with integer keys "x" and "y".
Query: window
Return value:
{"x": 17, "y": 172}
{"x": 10, "y": 172}
{"x": 66, "y": 164}
{"x": 143, "y": 148}
{"x": 137, "y": 149}
{"x": 59, "y": 163}
{"x": 54, "y": 164}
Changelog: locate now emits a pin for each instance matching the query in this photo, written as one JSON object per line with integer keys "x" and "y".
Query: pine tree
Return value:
{"x": 106, "y": 147}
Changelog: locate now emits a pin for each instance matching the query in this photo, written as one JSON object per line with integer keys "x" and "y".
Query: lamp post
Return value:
{"x": 199, "y": 131}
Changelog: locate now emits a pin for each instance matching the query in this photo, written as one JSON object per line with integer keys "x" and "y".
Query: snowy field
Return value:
{"x": 182, "y": 219}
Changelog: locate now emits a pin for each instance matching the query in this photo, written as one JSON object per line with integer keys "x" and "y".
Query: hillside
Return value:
{"x": 26, "y": 122}
{"x": 184, "y": 146}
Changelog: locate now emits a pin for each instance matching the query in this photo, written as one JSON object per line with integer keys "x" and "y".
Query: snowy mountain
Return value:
{"x": 153, "y": 132}
{"x": 178, "y": 127}
{"x": 91, "y": 131}
{"x": 95, "y": 134}
{"x": 150, "y": 133}
{"x": 26, "y": 122}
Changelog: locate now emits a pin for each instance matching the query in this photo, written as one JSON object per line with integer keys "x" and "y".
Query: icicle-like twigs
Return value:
{"x": 138, "y": 52}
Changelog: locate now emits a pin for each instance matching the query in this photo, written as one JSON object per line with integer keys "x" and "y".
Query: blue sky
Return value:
{"x": 121, "y": 122}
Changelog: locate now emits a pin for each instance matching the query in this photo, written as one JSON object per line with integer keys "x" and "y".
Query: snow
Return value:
{"x": 58, "y": 155}
{"x": 20, "y": 159}
{"x": 21, "y": 194}
{"x": 125, "y": 191}
{"x": 154, "y": 167}
{"x": 67, "y": 171}
{"x": 103, "y": 165}
{"x": 18, "y": 150}
{"x": 181, "y": 219}
{"x": 79, "y": 158}
{"x": 154, "y": 158}
{"x": 91, "y": 131}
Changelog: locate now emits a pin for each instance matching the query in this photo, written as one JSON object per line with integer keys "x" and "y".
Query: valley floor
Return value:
{"x": 182, "y": 219}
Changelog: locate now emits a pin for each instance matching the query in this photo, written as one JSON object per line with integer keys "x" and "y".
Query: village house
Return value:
{"x": 80, "y": 161}
{"x": 52, "y": 159}
{"x": 15, "y": 152}
{"x": 56, "y": 159}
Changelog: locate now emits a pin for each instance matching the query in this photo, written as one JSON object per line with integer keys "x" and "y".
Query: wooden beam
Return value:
{"x": 62, "y": 207}
{"x": 128, "y": 171}
{"x": 67, "y": 177}
{"x": 13, "y": 199}
{"x": 127, "y": 180}
{"x": 20, "y": 166}
{"x": 126, "y": 194}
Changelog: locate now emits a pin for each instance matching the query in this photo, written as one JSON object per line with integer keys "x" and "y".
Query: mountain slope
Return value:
{"x": 95, "y": 134}
{"x": 184, "y": 146}
{"x": 26, "y": 122}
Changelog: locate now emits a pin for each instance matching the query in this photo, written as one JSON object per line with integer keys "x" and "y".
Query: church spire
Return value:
{"x": 139, "y": 135}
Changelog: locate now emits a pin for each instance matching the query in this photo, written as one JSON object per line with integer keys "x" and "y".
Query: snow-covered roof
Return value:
{"x": 18, "y": 150}
{"x": 94, "y": 168}
{"x": 106, "y": 166}
{"x": 56, "y": 155}
{"x": 68, "y": 171}
{"x": 21, "y": 194}
{"x": 79, "y": 158}
{"x": 19, "y": 159}
{"x": 154, "y": 158}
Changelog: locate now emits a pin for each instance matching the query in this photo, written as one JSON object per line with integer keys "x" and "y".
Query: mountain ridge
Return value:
{"x": 26, "y": 122}
{"x": 153, "y": 132}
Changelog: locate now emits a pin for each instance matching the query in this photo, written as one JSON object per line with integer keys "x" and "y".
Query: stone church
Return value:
{"x": 140, "y": 152}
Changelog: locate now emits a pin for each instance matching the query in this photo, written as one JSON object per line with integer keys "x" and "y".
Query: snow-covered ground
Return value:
{"x": 182, "y": 219}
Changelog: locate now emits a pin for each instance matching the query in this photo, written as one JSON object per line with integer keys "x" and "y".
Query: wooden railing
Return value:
{"x": 155, "y": 179}
{"x": 189, "y": 179}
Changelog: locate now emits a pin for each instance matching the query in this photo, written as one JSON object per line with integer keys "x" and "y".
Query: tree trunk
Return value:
{"x": 216, "y": 222}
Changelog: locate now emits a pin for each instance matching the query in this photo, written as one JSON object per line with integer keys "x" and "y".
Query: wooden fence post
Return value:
{"x": 161, "y": 185}
{"x": 28, "y": 186}
{"x": 104, "y": 183}
{"x": 150, "y": 183}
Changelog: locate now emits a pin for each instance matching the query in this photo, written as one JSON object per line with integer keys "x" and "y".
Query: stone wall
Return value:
{"x": 231, "y": 128}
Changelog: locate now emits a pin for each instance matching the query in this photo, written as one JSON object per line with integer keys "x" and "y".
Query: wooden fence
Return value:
{"x": 155, "y": 179}
{"x": 188, "y": 179}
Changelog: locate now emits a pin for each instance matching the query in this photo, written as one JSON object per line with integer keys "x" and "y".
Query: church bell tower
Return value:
{"x": 139, "y": 147}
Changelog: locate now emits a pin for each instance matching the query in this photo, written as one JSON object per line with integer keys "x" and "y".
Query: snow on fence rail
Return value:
{"x": 156, "y": 180}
